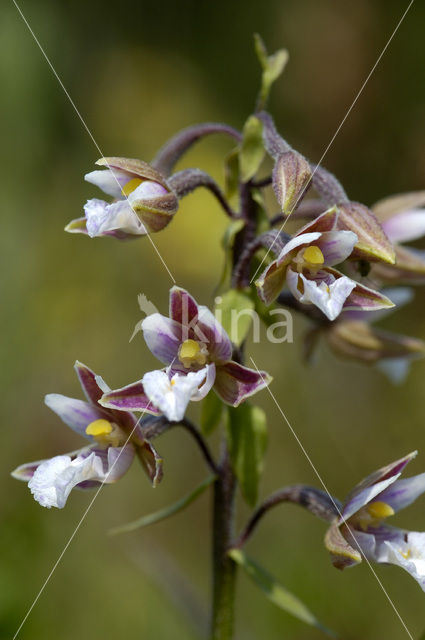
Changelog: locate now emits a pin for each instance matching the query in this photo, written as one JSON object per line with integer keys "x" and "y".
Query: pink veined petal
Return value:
{"x": 132, "y": 397}
{"x": 75, "y": 413}
{"x": 87, "y": 379}
{"x": 406, "y": 226}
{"x": 336, "y": 246}
{"x": 408, "y": 552}
{"x": 183, "y": 307}
{"x": 111, "y": 181}
{"x": 404, "y": 492}
{"x": 364, "y": 496}
{"x": 163, "y": 337}
{"x": 234, "y": 382}
{"x": 120, "y": 217}
{"x": 209, "y": 331}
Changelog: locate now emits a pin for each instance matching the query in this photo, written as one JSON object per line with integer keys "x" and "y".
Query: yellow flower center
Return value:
{"x": 191, "y": 352}
{"x": 105, "y": 432}
{"x": 131, "y": 186}
{"x": 313, "y": 255}
{"x": 379, "y": 510}
{"x": 372, "y": 514}
{"x": 99, "y": 428}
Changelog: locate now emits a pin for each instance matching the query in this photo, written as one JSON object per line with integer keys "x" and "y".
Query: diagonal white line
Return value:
{"x": 360, "y": 91}
{"x": 319, "y": 477}
{"x": 83, "y": 517}
{"x": 83, "y": 122}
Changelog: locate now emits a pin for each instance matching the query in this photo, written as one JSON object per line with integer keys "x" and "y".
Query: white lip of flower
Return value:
{"x": 410, "y": 555}
{"x": 54, "y": 479}
{"x": 173, "y": 395}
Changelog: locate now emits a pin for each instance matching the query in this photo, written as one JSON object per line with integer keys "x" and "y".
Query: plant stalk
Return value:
{"x": 224, "y": 569}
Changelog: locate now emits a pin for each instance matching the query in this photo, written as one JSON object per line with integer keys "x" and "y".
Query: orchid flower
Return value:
{"x": 306, "y": 262}
{"x": 361, "y": 530}
{"x": 198, "y": 353}
{"x": 137, "y": 189}
{"x": 403, "y": 219}
{"x": 115, "y": 437}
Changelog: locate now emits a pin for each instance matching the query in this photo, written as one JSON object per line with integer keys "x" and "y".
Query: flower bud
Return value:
{"x": 291, "y": 177}
{"x": 148, "y": 192}
{"x": 360, "y": 341}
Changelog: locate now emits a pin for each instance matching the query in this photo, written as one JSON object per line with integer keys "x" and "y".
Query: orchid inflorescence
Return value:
{"x": 340, "y": 268}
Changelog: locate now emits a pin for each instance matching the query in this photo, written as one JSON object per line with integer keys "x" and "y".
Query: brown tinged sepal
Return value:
{"x": 291, "y": 179}
{"x": 373, "y": 244}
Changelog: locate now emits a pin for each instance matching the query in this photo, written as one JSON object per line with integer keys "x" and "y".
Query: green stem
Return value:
{"x": 224, "y": 569}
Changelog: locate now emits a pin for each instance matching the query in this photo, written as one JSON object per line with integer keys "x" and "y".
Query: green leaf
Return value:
{"x": 162, "y": 514}
{"x": 252, "y": 149}
{"x": 247, "y": 438}
{"x": 211, "y": 412}
{"x": 276, "y": 593}
{"x": 272, "y": 67}
{"x": 234, "y": 312}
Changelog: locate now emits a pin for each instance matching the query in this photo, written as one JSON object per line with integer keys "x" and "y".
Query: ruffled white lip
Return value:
{"x": 54, "y": 479}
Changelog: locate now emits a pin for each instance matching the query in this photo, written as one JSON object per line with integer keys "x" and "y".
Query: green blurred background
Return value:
{"x": 138, "y": 72}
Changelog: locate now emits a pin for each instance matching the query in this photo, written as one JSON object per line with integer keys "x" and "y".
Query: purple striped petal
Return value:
{"x": 183, "y": 307}
{"x": 163, "y": 337}
{"x": 210, "y": 331}
{"x": 405, "y": 226}
{"x": 403, "y": 492}
{"x": 77, "y": 414}
{"x": 234, "y": 382}
{"x": 88, "y": 382}
{"x": 129, "y": 398}
{"x": 364, "y": 496}
{"x": 389, "y": 472}
{"x": 336, "y": 246}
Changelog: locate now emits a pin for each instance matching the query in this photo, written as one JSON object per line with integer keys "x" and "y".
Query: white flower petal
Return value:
{"x": 173, "y": 396}
{"x": 147, "y": 190}
{"x": 110, "y": 181}
{"x": 410, "y": 555}
{"x": 54, "y": 479}
{"x": 328, "y": 295}
{"x": 296, "y": 242}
